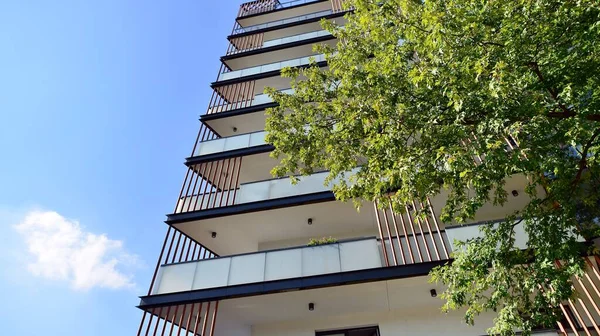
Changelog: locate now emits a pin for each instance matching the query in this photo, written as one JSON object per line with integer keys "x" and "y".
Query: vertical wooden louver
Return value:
{"x": 181, "y": 320}
{"x": 582, "y": 313}
{"x": 209, "y": 185}
{"x": 231, "y": 97}
{"x": 258, "y": 6}
{"x": 245, "y": 43}
{"x": 178, "y": 247}
{"x": 337, "y": 5}
{"x": 204, "y": 134}
{"x": 408, "y": 238}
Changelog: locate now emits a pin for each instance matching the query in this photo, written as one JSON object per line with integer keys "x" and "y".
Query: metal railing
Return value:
{"x": 296, "y": 62}
{"x": 261, "y": 6}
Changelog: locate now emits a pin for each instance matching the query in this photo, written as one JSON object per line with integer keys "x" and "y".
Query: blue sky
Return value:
{"x": 99, "y": 103}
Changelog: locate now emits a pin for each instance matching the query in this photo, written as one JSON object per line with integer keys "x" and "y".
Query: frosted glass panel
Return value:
{"x": 320, "y": 260}
{"x": 283, "y": 264}
{"x": 247, "y": 269}
{"x": 209, "y": 147}
{"x": 360, "y": 254}
{"x": 175, "y": 278}
{"x": 282, "y": 188}
{"x": 253, "y": 192}
{"x": 212, "y": 273}
{"x": 257, "y": 139}
{"x": 256, "y": 267}
{"x": 270, "y": 67}
{"x": 236, "y": 142}
{"x": 230, "y": 143}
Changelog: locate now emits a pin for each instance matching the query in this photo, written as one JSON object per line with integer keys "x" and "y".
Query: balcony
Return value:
{"x": 272, "y": 265}
{"x": 264, "y": 11}
{"x": 308, "y": 261}
{"x": 232, "y": 143}
{"x": 249, "y": 216}
{"x": 267, "y": 68}
{"x": 281, "y": 22}
{"x": 267, "y": 293}
{"x": 255, "y": 50}
{"x": 261, "y": 6}
{"x": 259, "y": 99}
{"x": 255, "y": 192}
{"x": 295, "y": 38}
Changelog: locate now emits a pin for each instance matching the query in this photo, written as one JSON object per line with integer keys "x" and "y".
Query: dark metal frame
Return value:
{"x": 346, "y": 331}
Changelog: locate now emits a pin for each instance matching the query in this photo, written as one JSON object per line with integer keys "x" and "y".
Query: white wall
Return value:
{"x": 227, "y": 327}
{"x": 272, "y": 245}
{"x": 425, "y": 322}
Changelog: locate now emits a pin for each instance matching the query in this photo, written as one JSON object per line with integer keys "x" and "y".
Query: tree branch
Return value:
{"x": 583, "y": 160}
{"x": 553, "y": 92}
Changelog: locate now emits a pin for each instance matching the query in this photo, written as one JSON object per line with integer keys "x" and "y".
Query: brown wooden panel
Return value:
{"x": 409, "y": 238}
{"x": 245, "y": 43}
{"x": 258, "y": 6}
{"x": 231, "y": 97}
{"x": 180, "y": 320}
{"x": 176, "y": 248}
{"x": 209, "y": 185}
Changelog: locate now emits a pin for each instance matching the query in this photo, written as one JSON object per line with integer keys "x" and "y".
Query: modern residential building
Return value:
{"x": 235, "y": 259}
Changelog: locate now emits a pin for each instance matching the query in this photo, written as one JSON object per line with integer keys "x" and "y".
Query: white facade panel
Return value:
{"x": 429, "y": 322}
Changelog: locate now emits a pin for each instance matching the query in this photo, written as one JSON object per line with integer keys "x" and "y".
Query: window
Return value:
{"x": 367, "y": 331}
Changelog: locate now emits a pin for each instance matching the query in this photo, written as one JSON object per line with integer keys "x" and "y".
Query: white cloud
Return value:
{"x": 62, "y": 250}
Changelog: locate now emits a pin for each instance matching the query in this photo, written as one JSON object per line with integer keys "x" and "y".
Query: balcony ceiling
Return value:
{"x": 243, "y": 123}
{"x": 382, "y": 296}
{"x": 287, "y": 227}
{"x": 281, "y": 227}
{"x": 254, "y": 168}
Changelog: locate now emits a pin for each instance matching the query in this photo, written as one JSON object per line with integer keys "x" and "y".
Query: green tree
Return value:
{"x": 417, "y": 91}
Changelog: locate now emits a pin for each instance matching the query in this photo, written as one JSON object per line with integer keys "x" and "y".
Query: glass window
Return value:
{"x": 363, "y": 331}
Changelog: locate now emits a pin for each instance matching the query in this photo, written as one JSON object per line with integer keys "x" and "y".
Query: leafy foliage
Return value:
{"x": 415, "y": 90}
{"x": 321, "y": 241}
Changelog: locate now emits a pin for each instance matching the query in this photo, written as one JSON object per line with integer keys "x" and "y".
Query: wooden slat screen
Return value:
{"x": 256, "y": 7}
{"x": 231, "y": 97}
{"x": 209, "y": 185}
{"x": 245, "y": 43}
{"x": 408, "y": 238}
{"x": 181, "y": 320}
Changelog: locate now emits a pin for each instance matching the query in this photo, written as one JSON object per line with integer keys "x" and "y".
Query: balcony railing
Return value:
{"x": 296, "y": 38}
{"x": 261, "y": 6}
{"x": 270, "y": 265}
{"x": 254, "y": 42}
{"x": 237, "y": 29}
{"x": 254, "y": 192}
{"x": 259, "y": 99}
{"x": 230, "y": 143}
{"x": 296, "y": 62}
{"x": 304, "y": 261}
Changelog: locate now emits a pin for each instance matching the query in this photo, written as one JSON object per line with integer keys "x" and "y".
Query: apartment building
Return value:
{"x": 236, "y": 259}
